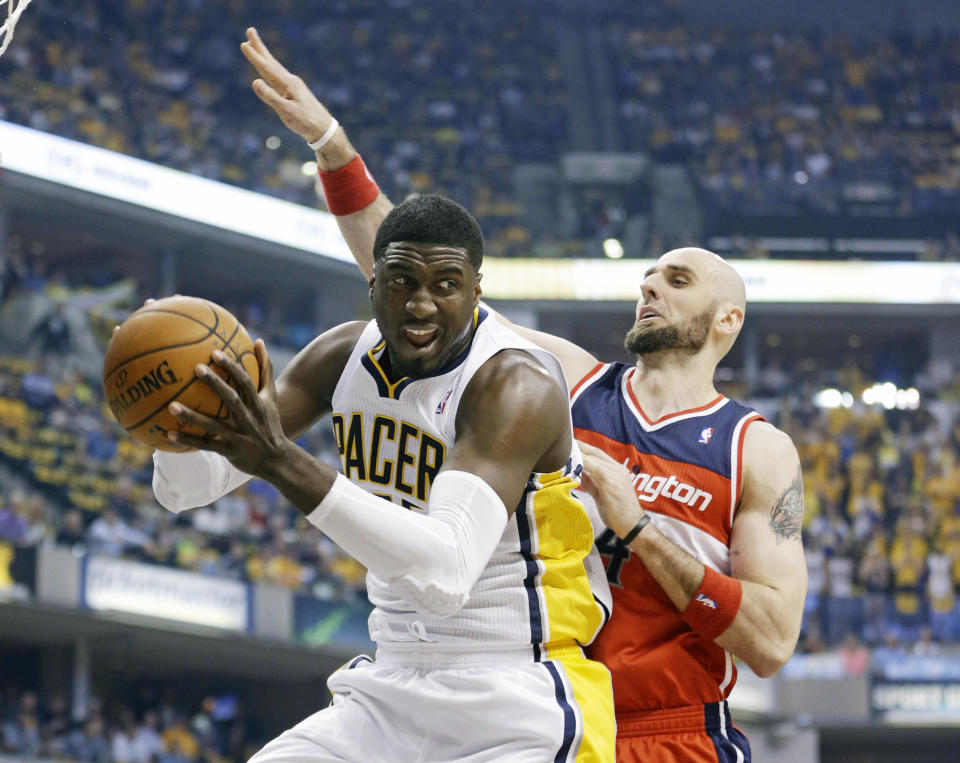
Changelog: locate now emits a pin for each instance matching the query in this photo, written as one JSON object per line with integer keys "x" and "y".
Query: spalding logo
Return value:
{"x": 146, "y": 385}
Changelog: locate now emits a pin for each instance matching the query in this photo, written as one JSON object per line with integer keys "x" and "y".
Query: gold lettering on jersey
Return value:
{"x": 384, "y": 428}
{"x": 353, "y": 450}
{"x": 430, "y": 461}
{"x": 337, "y": 421}
{"x": 417, "y": 461}
{"x": 405, "y": 457}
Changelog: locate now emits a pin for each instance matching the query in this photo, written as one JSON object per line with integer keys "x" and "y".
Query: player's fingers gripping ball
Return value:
{"x": 150, "y": 363}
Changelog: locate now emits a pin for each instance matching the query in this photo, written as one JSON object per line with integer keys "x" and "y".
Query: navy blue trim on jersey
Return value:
{"x": 700, "y": 438}
{"x": 357, "y": 660}
{"x": 569, "y": 717}
{"x": 392, "y": 391}
{"x": 726, "y": 739}
{"x": 530, "y": 581}
{"x": 376, "y": 373}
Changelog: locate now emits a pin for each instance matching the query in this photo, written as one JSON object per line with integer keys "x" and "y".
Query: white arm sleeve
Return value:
{"x": 184, "y": 481}
{"x": 433, "y": 558}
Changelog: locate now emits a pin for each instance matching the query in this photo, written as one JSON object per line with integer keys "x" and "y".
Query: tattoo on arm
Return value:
{"x": 787, "y": 513}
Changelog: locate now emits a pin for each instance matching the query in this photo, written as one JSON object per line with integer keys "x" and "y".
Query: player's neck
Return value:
{"x": 667, "y": 385}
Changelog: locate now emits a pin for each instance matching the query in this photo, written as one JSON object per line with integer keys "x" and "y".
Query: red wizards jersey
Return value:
{"x": 687, "y": 475}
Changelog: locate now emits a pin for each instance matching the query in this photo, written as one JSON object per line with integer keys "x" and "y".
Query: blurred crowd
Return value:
{"x": 73, "y": 478}
{"x": 882, "y": 495}
{"x": 150, "y": 729}
{"x": 796, "y": 121}
{"x": 440, "y": 100}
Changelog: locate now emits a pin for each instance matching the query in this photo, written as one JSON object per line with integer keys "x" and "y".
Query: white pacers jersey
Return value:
{"x": 392, "y": 439}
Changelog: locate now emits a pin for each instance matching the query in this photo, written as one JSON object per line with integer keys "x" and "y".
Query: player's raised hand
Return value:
{"x": 284, "y": 92}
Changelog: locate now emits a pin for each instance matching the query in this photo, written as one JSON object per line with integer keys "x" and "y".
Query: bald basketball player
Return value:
{"x": 701, "y": 499}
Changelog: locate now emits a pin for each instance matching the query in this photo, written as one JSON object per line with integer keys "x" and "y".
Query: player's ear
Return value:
{"x": 730, "y": 318}
{"x": 370, "y": 284}
{"x": 477, "y": 291}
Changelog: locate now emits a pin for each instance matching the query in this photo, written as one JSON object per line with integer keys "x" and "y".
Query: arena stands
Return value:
{"x": 766, "y": 126}
{"x": 794, "y": 144}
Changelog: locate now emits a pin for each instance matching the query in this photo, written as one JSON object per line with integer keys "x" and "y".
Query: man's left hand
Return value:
{"x": 251, "y": 437}
{"x": 611, "y": 486}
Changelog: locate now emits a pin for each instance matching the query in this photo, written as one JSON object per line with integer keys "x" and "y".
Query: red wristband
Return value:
{"x": 715, "y": 604}
{"x": 350, "y": 188}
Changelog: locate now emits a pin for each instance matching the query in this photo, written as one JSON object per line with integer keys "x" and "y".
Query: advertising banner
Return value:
{"x": 141, "y": 589}
{"x": 317, "y": 622}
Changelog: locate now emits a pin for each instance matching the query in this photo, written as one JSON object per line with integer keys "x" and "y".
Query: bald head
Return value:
{"x": 727, "y": 284}
{"x": 711, "y": 289}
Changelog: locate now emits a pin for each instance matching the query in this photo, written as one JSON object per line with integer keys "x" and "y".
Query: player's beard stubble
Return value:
{"x": 687, "y": 337}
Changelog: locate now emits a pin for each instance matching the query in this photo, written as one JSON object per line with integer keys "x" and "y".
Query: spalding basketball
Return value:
{"x": 151, "y": 359}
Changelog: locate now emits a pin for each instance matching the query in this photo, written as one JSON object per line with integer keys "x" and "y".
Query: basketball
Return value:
{"x": 150, "y": 362}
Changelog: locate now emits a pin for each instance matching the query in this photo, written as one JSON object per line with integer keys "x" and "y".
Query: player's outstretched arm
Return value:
{"x": 301, "y": 111}
{"x": 575, "y": 361}
{"x": 754, "y": 612}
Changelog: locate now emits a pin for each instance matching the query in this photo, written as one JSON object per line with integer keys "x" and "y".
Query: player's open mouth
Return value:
{"x": 648, "y": 313}
{"x": 420, "y": 338}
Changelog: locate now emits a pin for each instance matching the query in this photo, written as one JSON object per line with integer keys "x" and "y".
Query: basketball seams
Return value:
{"x": 210, "y": 330}
{"x": 192, "y": 311}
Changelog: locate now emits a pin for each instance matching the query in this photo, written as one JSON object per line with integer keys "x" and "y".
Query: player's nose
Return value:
{"x": 420, "y": 303}
{"x": 648, "y": 289}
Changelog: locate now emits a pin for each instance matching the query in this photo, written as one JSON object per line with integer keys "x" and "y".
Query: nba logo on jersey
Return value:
{"x": 443, "y": 403}
{"x": 705, "y": 435}
{"x": 706, "y": 601}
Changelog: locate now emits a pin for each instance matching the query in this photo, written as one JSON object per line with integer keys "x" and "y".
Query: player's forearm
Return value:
{"x": 360, "y": 229}
{"x": 678, "y": 573}
{"x": 302, "y": 479}
{"x": 763, "y": 633}
{"x": 765, "y": 630}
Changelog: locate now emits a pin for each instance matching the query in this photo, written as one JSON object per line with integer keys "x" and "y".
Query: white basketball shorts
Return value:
{"x": 488, "y": 708}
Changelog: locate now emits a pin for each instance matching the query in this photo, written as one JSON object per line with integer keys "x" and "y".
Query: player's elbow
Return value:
{"x": 430, "y": 598}
{"x": 768, "y": 661}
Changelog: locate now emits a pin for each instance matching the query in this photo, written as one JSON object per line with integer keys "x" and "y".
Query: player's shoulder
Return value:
{"x": 516, "y": 380}
{"x": 768, "y": 449}
{"x": 512, "y": 367}
{"x": 330, "y": 350}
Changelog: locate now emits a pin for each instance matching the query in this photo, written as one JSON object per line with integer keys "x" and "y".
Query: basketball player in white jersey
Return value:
{"x": 458, "y": 463}
{"x": 694, "y": 586}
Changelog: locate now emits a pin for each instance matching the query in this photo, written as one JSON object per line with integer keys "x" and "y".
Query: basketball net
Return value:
{"x": 10, "y": 18}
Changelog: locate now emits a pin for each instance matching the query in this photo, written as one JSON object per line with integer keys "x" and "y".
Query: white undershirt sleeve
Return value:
{"x": 434, "y": 559}
{"x": 184, "y": 481}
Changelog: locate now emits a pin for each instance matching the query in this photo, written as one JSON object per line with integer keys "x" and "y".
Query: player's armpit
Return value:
{"x": 575, "y": 361}
{"x": 766, "y": 553}
{"x": 305, "y": 388}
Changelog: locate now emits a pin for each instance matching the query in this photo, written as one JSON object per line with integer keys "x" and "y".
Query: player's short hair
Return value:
{"x": 431, "y": 219}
